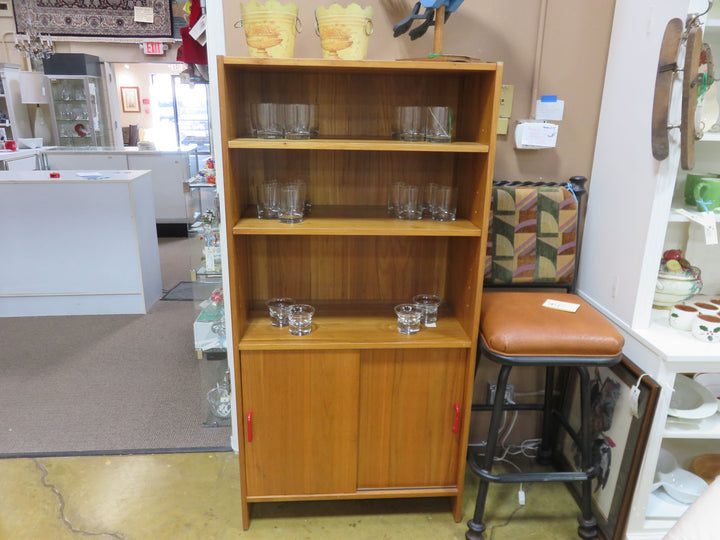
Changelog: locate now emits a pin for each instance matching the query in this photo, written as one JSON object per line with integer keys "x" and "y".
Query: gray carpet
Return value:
{"x": 190, "y": 290}
{"x": 104, "y": 384}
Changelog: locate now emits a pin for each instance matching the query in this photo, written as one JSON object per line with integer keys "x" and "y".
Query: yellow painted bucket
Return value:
{"x": 270, "y": 28}
{"x": 344, "y": 32}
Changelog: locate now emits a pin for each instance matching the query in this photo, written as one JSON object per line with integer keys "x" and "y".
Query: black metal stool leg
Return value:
{"x": 476, "y": 526}
{"x": 588, "y": 525}
{"x": 545, "y": 453}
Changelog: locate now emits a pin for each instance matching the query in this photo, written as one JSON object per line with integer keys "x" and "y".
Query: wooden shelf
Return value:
{"x": 355, "y": 221}
{"x": 706, "y": 428}
{"x": 305, "y": 65}
{"x": 351, "y": 326}
{"x": 381, "y": 145}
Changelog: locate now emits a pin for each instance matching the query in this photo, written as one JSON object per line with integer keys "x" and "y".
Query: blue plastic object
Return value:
{"x": 450, "y": 5}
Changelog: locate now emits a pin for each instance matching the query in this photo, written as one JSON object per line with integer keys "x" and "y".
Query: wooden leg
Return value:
{"x": 439, "y": 30}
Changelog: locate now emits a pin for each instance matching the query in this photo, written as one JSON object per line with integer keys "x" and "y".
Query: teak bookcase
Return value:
{"x": 355, "y": 409}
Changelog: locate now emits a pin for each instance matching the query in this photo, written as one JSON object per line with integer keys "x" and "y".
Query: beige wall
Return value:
{"x": 572, "y": 64}
{"x": 134, "y": 74}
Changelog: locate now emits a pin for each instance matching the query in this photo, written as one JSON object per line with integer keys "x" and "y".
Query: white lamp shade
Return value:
{"x": 33, "y": 88}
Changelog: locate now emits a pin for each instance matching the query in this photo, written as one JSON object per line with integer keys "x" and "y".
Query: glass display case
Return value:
{"x": 79, "y": 111}
{"x": 206, "y": 274}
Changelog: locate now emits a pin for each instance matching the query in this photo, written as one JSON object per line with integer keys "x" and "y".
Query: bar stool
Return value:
{"x": 518, "y": 329}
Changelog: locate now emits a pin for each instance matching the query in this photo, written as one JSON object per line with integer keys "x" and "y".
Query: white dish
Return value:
{"x": 711, "y": 381}
{"x": 690, "y": 399}
{"x": 33, "y": 142}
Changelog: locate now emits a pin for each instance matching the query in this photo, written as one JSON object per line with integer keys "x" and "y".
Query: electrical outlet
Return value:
{"x": 509, "y": 393}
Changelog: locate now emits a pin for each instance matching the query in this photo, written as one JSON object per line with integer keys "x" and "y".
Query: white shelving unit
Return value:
{"x": 621, "y": 253}
{"x": 18, "y": 122}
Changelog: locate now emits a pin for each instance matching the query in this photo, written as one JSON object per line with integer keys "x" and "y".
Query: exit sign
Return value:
{"x": 154, "y": 47}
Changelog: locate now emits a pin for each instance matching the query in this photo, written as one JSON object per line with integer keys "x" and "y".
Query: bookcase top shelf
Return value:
{"x": 309, "y": 64}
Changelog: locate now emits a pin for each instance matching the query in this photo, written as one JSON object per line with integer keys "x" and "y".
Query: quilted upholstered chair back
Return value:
{"x": 533, "y": 234}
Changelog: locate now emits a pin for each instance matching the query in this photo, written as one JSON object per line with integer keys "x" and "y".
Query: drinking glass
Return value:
{"x": 394, "y": 199}
{"x": 298, "y": 121}
{"x": 429, "y": 304}
{"x": 445, "y": 206}
{"x": 409, "y": 317}
{"x": 428, "y": 199}
{"x": 409, "y": 202}
{"x": 412, "y": 123}
{"x": 291, "y": 206}
{"x": 268, "y": 121}
{"x": 300, "y": 318}
{"x": 278, "y": 309}
{"x": 438, "y": 126}
{"x": 267, "y": 200}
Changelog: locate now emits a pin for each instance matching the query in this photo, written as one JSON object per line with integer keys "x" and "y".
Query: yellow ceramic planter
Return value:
{"x": 344, "y": 32}
{"x": 270, "y": 28}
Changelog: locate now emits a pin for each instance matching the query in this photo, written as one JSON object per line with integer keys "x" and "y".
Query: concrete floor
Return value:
{"x": 196, "y": 496}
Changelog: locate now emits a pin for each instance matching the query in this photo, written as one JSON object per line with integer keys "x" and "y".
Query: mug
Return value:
{"x": 706, "y": 328}
{"x": 682, "y": 317}
{"x": 707, "y": 194}
{"x": 690, "y": 182}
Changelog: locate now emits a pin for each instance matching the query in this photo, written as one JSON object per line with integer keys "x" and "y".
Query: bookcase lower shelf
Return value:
{"x": 341, "y": 330}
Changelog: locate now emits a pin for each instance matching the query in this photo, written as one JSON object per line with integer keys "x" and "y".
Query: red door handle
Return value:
{"x": 249, "y": 426}
{"x": 456, "y": 426}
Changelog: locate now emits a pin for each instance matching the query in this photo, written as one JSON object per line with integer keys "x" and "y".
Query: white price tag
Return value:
{"x": 197, "y": 32}
{"x": 706, "y": 220}
{"x": 144, "y": 14}
{"x": 634, "y": 397}
{"x": 561, "y": 306}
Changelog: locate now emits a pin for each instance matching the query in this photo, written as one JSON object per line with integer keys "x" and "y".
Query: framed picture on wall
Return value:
{"x": 130, "y": 96}
{"x": 619, "y": 439}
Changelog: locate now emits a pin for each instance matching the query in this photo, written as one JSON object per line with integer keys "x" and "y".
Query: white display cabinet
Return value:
{"x": 80, "y": 117}
{"x": 14, "y": 119}
{"x": 631, "y": 220}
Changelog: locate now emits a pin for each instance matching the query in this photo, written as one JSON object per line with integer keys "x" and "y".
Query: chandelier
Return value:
{"x": 34, "y": 45}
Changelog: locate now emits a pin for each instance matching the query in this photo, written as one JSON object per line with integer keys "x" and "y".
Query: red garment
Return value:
{"x": 191, "y": 52}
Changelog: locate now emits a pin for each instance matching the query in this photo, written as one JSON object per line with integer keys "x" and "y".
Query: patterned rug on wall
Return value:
{"x": 101, "y": 18}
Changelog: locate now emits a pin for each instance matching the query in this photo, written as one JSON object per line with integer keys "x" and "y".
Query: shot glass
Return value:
{"x": 266, "y": 195}
{"x": 409, "y": 202}
{"x": 429, "y": 304}
{"x": 409, "y": 318}
{"x": 412, "y": 123}
{"x": 298, "y": 121}
{"x": 268, "y": 120}
{"x": 438, "y": 127}
{"x": 300, "y": 318}
{"x": 394, "y": 199}
{"x": 291, "y": 204}
{"x": 445, "y": 206}
{"x": 278, "y": 309}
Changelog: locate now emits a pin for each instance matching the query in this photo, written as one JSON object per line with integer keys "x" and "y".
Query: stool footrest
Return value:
{"x": 509, "y": 407}
{"x": 515, "y": 478}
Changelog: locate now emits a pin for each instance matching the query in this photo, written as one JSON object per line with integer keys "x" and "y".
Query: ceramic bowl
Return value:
{"x": 711, "y": 381}
{"x": 675, "y": 287}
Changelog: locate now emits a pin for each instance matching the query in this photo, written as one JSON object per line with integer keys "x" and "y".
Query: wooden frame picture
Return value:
{"x": 619, "y": 439}
{"x": 130, "y": 96}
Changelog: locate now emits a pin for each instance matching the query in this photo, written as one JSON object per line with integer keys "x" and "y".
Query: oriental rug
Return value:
{"x": 101, "y": 18}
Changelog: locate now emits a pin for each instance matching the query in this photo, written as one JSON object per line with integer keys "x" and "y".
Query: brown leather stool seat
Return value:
{"x": 517, "y": 330}
{"x": 515, "y": 324}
